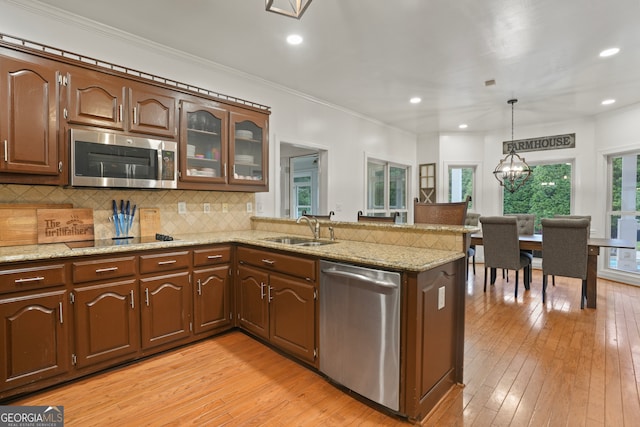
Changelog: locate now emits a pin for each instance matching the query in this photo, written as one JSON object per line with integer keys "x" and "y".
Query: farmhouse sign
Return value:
{"x": 555, "y": 142}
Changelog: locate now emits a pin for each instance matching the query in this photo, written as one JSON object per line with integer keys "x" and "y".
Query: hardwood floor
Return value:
{"x": 525, "y": 364}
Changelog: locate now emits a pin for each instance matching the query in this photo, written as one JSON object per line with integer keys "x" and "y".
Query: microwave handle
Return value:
{"x": 160, "y": 164}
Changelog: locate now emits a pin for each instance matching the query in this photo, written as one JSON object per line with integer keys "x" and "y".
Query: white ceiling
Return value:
{"x": 371, "y": 56}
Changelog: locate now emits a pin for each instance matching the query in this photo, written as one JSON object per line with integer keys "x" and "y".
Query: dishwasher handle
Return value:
{"x": 360, "y": 277}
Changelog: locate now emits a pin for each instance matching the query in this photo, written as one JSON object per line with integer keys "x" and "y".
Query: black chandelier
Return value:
{"x": 291, "y": 8}
{"x": 512, "y": 171}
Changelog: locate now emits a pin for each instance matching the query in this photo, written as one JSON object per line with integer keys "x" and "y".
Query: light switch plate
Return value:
{"x": 225, "y": 207}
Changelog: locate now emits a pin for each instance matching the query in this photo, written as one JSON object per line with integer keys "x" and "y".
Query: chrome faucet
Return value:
{"x": 315, "y": 229}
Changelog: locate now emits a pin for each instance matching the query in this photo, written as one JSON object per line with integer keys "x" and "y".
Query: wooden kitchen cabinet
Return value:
{"x": 253, "y": 305}
{"x": 106, "y": 314}
{"x": 165, "y": 306}
{"x": 203, "y": 143}
{"x": 277, "y": 300}
{"x": 249, "y": 150}
{"x": 34, "y": 338}
{"x": 102, "y": 100}
{"x": 212, "y": 293}
{"x": 29, "y": 120}
{"x": 95, "y": 99}
{"x": 106, "y": 319}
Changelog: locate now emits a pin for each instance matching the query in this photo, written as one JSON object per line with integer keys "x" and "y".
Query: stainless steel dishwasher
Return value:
{"x": 360, "y": 330}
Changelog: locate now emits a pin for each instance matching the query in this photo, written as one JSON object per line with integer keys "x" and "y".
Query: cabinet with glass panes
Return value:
{"x": 203, "y": 143}
{"x": 248, "y": 149}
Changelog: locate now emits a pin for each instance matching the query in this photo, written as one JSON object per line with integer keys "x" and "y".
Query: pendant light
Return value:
{"x": 512, "y": 171}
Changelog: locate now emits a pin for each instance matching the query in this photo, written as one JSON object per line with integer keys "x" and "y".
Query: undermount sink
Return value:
{"x": 298, "y": 241}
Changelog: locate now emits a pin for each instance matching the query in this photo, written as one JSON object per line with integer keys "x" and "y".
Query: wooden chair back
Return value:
{"x": 371, "y": 218}
{"x": 454, "y": 213}
{"x": 325, "y": 217}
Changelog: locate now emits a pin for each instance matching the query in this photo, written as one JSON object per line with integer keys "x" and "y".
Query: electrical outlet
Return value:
{"x": 182, "y": 207}
{"x": 206, "y": 208}
{"x": 225, "y": 207}
{"x": 249, "y": 207}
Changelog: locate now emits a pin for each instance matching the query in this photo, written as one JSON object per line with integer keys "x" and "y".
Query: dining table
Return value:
{"x": 534, "y": 242}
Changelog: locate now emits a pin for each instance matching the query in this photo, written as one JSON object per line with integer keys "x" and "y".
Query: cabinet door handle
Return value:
{"x": 214, "y": 256}
{"x": 61, "y": 316}
{"x": 171, "y": 261}
{"x": 6, "y": 151}
{"x": 199, "y": 287}
{"x": 133, "y": 304}
{"x": 146, "y": 296}
{"x": 120, "y": 113}
{"x": 106, "y": 270}
{"x": 261, "y": 290}
{"x": 269, "y": 298}
{"x": 29, "y": 279}
{"x": 225, "y": 170}
{"x": 135, "y": 115}
{"x": 269, "y": 261}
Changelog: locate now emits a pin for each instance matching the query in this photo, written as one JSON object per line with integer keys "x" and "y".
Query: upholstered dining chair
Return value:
{"x": 472, "y": 220}
{"x": 553, "y": 278}
{"x": 526, "y": 227}
{"x": 326, "y": 217}
{"x": 372, "y": 218}
{"x": 502, "y": 249}
{"x": 565, "y": 251}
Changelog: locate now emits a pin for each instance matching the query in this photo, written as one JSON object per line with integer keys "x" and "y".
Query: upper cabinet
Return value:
{"x": 98, "y": 99}
{"x": 203, "y": 148}
{"x": 222, "y": 148}
{"x": 28, "y": 117}
{"x": 248, "y": 149}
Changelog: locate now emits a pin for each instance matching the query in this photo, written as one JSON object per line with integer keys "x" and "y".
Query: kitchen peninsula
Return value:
{"x": 205, "y": 284}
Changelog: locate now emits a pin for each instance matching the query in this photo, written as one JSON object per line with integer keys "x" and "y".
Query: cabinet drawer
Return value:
{"x": 164, "y": 261}
{"x": 100, "y": 269}
{"x": 288, "y": 264}
{"x": 209, "y": 256}
{"x": 31, "y": 276}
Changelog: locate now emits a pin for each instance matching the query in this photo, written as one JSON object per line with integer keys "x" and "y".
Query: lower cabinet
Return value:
{"x": 279, "y": 307}
{"x": 211, "y": 299}
{"x": 165, "y": 312}
{"x": 34, "y": 338}
{"x": 107, "y": 322}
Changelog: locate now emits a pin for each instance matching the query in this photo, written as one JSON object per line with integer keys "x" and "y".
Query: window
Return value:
{"x": 462, "y": 183}
{"x": 386, "y": 189}
{"x": 302, "y": 194}
{"x": 623, "y": 210}
{"x": 546, "y": 193}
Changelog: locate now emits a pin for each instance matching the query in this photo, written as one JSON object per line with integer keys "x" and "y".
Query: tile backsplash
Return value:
{"x": 99, "y": 199}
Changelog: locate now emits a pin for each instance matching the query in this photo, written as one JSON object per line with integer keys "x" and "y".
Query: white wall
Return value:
{"x": 294, "y": 119}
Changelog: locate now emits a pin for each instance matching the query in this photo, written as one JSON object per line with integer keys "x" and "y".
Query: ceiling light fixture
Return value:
{"x": 294, "y": 39}
{"x": 512, "y": 171}
{"x": 291, "y": 8}
{"x": 609, "y": 52}
{"x": 608, "y": 101}
{"x": 415, "y": 100}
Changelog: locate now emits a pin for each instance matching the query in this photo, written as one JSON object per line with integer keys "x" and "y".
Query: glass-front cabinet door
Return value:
{"x": 248, "y": 149}
{"x": 203, "y": 143}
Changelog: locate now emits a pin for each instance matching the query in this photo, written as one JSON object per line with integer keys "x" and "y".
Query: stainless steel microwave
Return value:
{"x": 104, "y": 159}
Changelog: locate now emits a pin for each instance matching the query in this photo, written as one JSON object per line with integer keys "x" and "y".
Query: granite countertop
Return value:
{"x": 394, "y": 257}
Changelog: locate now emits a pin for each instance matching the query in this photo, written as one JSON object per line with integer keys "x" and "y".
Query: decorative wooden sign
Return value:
{"x": 19, "y": 222}
{"x": 64, "y": 225}
{"x": 542, "y": 143}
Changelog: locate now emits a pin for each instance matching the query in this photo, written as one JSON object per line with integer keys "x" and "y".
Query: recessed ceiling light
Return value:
{"x": 609, "y": 52}
{"x": 608, "y": 101}
{"x": 463, "y": 126}
{"x": 415, "y": 100}
{"x": 294, "y": 39}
